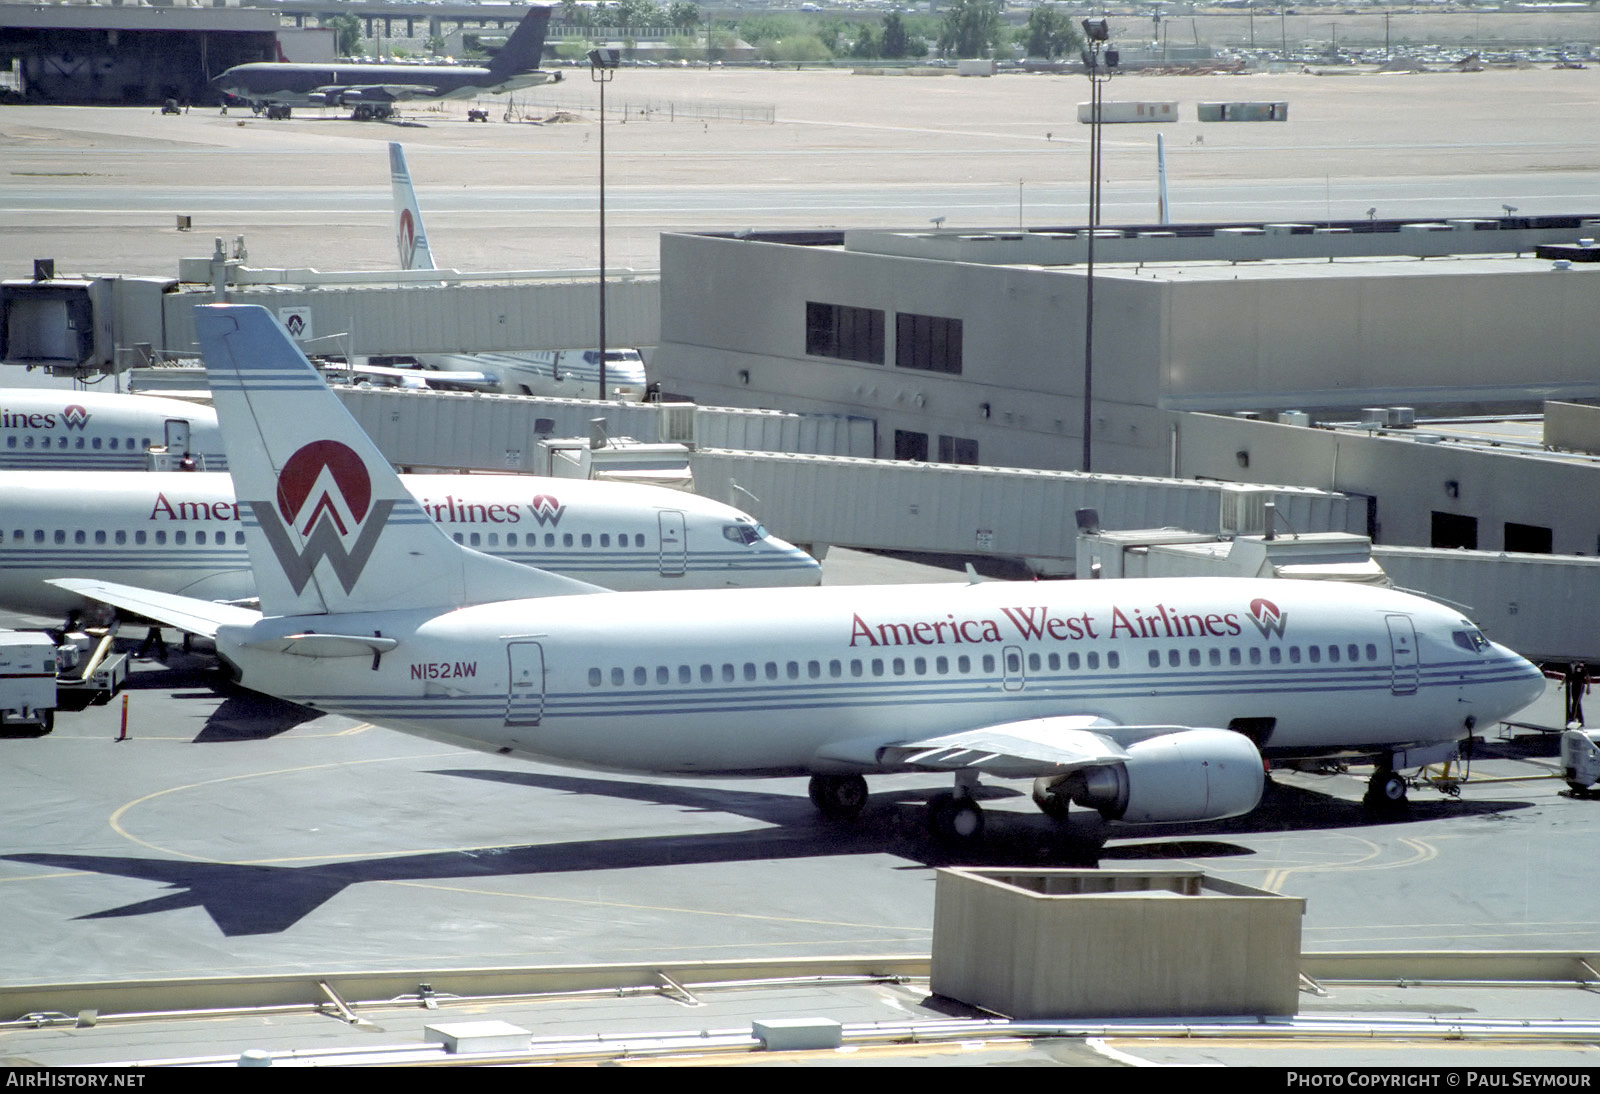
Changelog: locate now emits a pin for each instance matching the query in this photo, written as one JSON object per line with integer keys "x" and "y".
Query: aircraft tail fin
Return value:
{"x": 409, "y": 236}
{"x": 329, "y": 527}
{"x": 524, "y": 48}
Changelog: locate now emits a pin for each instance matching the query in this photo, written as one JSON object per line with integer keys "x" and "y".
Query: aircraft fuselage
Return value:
{"x": 758, "y": 681}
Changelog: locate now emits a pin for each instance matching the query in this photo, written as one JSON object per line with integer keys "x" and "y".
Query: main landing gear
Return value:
{"x": 954, "y": 817}
{"x": 1386, "y": 792}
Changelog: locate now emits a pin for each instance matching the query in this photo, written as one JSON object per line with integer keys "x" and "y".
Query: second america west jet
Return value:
{"x": 182, "y": 532}
{"x": 564, "y": 374}
{"x": 372, "y": 90}
{"x": 1147, "y": 700}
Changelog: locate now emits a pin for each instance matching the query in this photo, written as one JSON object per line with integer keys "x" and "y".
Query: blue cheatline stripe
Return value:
{"x": 747, "y": 696}
{"x": 68, "y": 459}
{"x": 49, "y": 559}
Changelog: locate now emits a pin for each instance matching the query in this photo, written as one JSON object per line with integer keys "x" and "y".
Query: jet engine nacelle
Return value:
{"x": 333, "y": 98}
{"x": 1194, "y": 775}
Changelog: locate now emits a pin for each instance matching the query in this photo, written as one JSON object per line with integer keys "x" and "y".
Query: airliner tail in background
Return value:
{"x": 410, "y": 237}
{"x": 562, "y": 374}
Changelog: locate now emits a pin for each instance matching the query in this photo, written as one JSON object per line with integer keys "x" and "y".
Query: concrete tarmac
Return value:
{"x": 99, "y": 189}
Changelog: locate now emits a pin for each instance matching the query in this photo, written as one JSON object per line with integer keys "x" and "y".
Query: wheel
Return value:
{"x": 956, "y": 820}
{"x": 838, "y": 797}
{"x": 1386, "y": 792}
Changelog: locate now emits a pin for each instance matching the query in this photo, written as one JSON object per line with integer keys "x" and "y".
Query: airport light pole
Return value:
{"x": 602, "y": 67}
{"x": 1095, "y": 35}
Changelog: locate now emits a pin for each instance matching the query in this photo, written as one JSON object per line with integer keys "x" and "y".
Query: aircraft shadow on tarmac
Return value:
{"x": 249, "y": 900}
{"x": 243, "y": 715}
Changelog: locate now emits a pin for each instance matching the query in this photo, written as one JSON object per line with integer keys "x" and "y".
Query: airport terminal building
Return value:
{"x": 968, "y": 347}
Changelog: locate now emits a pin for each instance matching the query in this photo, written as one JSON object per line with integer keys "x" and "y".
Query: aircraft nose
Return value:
{"x": 799, "y": 568}
{"x": 1527, "y": 683}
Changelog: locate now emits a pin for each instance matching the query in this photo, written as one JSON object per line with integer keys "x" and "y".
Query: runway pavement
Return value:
{"x": 99, "y": 189}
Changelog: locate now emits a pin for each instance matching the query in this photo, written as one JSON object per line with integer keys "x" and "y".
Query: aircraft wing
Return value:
{"x": 187, "y": 614}
{"x": 1014, "y": 750}
{"x": 417, "y": 377}
{"x": 376, "y": 93}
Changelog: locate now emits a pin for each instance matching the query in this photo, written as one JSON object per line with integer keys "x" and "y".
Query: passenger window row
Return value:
{"x": 585, "y": 539}
{"x": 838, "y": 669}
{"x": 1333, "y": 653}
{"x": 121, "y": 537}
{"x": 80, "y": 443}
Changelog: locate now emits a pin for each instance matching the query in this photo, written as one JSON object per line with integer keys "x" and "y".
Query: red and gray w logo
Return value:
{"x": 325, "y": 495}
{"x": 1267, "y": 618}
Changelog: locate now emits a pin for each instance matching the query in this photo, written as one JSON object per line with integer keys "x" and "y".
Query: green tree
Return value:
{"x": 866, "y": 45}
{"x": 767, "y": 28}
{"x": 1050, "y": 34}
{"x": 796, "y": 49}
{"x": 970, "y": 28}
{"x": 894, "y": 41}
{"x": 573, "y": 49}
{"x": 638, "y": 13}
{"x": 347, "y": 30}
{"x": 573, "y": 14}
{"x": 684, "y": 15}
{"x": 719, "y": 39}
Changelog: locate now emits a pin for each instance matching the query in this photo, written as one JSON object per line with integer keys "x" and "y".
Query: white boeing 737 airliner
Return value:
{"x": 1148, "y": 700}
{"x": 181, "y": 532}
{"x": 42, "y": 428}
{"x": 562, "y": 374}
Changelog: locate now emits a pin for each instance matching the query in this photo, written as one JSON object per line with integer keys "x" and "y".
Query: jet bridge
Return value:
{"x": 1003, "y": 512}
{"x": 83, "y": 325}
{"x": 1536, "y": 604}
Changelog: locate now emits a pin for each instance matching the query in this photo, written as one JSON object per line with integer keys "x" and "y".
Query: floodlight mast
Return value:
{"x": 1096, "y": 32}
{"x": 602, "y": 68}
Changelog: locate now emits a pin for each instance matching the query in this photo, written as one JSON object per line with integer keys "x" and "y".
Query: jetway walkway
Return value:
{"x": 1536, "y": 604}
{"x": 1005, "y": 512}
{"x": 80, "y": 326}
{"x": 1539, "y": 605}
{"x": 480, "y": 432}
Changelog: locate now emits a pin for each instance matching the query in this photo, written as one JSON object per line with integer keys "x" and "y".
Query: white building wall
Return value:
{"x": 1348, "y": 335}
{"x": 1410, "y": 480}
{"x": 734, "y": 333}
{"x": 1216, "y": 336}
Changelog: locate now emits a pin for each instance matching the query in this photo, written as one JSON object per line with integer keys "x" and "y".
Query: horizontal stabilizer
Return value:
{"x": 327, "y": 645}
{"x": 186, "y": 613}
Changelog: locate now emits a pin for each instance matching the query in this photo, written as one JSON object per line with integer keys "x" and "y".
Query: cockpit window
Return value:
{"x": 744, "y": 533}
{"x": 1470, "y": 638}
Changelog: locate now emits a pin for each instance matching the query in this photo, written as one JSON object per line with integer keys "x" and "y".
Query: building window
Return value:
{"x": 1452, "y": 530}
{"x": 853, "y": 334}
{"x": 910, "y": 445}
{"x": 927, "y": 342}
{"x": 957, "y": 450}
{"x": 1528, "y": 538}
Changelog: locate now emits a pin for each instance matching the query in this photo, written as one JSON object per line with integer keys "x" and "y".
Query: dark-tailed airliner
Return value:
{"x": 372, "y": 90}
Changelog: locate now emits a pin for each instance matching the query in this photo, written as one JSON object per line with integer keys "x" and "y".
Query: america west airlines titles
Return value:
{"x": 1039, "y": 623}
{"x": 543, "y": 509}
